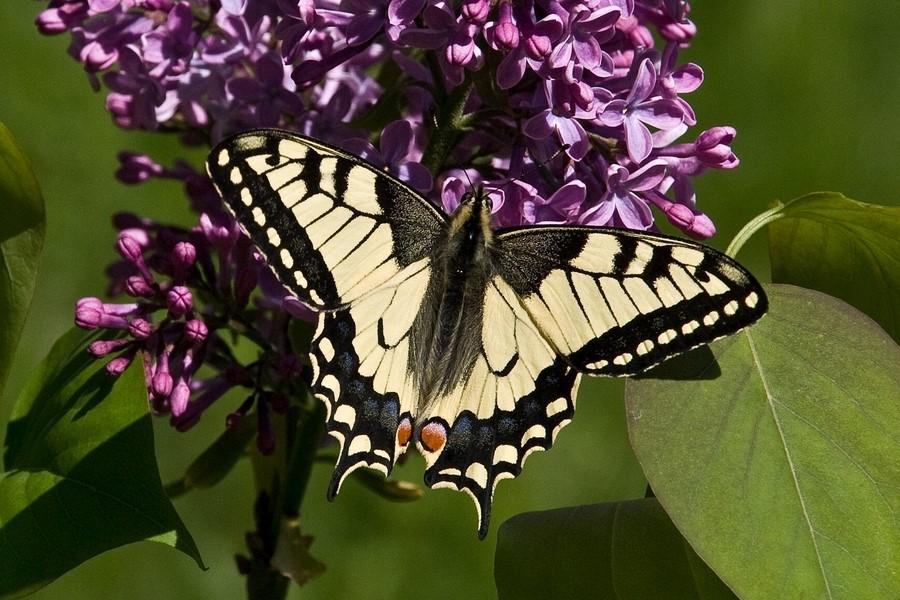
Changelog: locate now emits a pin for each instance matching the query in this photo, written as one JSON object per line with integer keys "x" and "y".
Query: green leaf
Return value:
{"x": 784, "y": 471}
{"x": 81, "y": 471}
{"x": 21, "y": 241}
{"x": 849, "y": 249}
{"x": 627, "y": 550}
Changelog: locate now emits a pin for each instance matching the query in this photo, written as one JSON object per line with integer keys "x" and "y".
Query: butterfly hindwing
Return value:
{"x": 360, "y": 358}
{"x": 514, "y": 399}
{"x": 332, "y": 227}
{"x": 616, "y": 302}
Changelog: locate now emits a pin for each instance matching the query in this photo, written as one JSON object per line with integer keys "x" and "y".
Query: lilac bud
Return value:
{"x": 57, "y": 20}
{"x": 140, "y": 328}
{"x": 714, "y": 148}
{"x": 178, "y": 399}
{"x": 694, "y": 224}
{"x": 476, "y": 11}
{"x": 88, "y": 313}
{"x": 117, "y": 366}
{"x": 196, "y": 331}
{"x": 129, "y": 248}
{"x": 537, "y": 46}
{"x": 104, "y": 347}
{"x": 136, "y": 168}
{"x": 507, "y": 33}
{"x": 138, "y": 287}
{"x": 184, "y": 254}
{"x": 461, "y": 50}
{"x": 220, "y": 235}
{"x": 179, "y": 300}
{"x": 161, "y": 384}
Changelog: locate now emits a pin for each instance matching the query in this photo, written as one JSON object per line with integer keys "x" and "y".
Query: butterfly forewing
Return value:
{"x": 617, "y": 302}
{"x": 331, "y": 226}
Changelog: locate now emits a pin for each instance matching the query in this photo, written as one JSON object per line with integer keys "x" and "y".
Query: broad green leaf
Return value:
{"x": 21, "y": 241}
{"x": 784, "y": 471}
{"x": 81, "y": 475}
{"x": 628, "y": 550}
{"x": 849, "y": 249}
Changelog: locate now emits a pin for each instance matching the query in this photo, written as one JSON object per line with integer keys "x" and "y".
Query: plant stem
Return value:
{"x": 448, "y": 127}
{"x": 301, "y": 459}
{"x": 755, "y": 224}
{"x": 282, "y": 503}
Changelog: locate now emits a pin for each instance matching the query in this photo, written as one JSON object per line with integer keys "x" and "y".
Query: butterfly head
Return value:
{"x": 472, "y": 220}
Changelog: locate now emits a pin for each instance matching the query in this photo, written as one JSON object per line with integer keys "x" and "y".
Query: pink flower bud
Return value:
{"x": 161, "y": 384}
{"x": 476, "y": 11}
{"x": 104, "y": 347}
{"x": 89, "y": 313}
{"x": 506, "y": 33}
{"x": 138, "y": 287}
{"x": 117, "y": 366}
{"x": 196, "y": 331}
{"x": 184, "y": 254}
{"x": 129, "y": 248}
{"x": 179, "y": 300}
{"x": 140, "y": 328}
{"x": 178, "y": 399}
{"x": 136, "y": 168}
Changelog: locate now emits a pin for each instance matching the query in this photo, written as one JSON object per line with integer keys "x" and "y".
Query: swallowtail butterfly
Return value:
{"x": 445, "y": 333}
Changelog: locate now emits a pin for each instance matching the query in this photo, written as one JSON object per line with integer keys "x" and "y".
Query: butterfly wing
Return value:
{"x": 332, "y": 227}
{"x": 360, "y": 359}
{"x": 513, "y": 401}
{"x": 354, "y": 242}
{"x": 616, "y": 302}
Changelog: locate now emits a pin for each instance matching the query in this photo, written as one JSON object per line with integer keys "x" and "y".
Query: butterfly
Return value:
{"x": 444, "y": 333}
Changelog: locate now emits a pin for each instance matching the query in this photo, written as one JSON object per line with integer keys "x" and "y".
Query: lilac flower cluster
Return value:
{"x": 184, "y": 287}
{"x": 566, "y": 111}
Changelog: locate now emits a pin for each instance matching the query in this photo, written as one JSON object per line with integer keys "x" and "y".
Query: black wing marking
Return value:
{"x": 616, "y": 302}
{"x": 331, "y": 226}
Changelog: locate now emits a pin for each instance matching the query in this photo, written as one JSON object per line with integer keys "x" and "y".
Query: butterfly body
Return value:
{"x": 441, "y": 332}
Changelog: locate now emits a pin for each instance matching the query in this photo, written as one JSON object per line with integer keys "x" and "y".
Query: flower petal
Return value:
{"x": 637, "y": 138}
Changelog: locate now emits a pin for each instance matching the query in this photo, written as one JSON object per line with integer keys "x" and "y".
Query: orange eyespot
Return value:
{"x": 433, "y": 436}
{"x": 404, "y": 431}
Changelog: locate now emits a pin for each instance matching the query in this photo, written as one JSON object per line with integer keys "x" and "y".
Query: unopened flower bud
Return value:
{"x": 184, "y": 254}
{"x": 476, "y": 11}
{"x": 117, "y": 366}
{"x": 196, "y": 331}
{"x": 140, "y": 328}
{"x": 179, "y": 300}
{"x": 506, "y": 33}
{"x": 138, "y": 287}
{"x": 104, "y": 347}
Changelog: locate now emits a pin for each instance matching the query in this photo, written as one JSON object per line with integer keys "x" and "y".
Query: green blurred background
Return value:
{"x": 813, "y": 89}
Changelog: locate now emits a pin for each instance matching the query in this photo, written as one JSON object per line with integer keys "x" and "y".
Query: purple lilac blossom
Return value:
{"x": 574, "y": 112}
